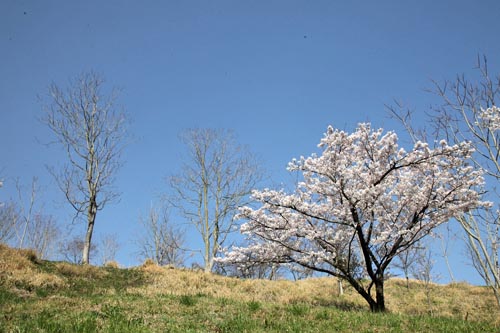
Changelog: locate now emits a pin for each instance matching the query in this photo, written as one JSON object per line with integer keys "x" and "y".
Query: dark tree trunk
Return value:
{"x": 379, "y": 305}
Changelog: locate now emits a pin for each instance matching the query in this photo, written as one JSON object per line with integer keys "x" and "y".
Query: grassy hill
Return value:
{"x": 44, "y": 296}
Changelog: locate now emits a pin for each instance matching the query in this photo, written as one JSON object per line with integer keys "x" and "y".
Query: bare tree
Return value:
{"x": 301, "y": 273}
{"x": 216, "y": 179}
{"x": 161, "y": 241}
{"x": 422, "y": 269}
{"x": 444, "y": 239}
{"x": 406, "y": 261}
{"x": 108, "y": 246}
{"x": 468, "y": 112}
{"x": 8, "y": 220}
{"x": 26, "y": 211}
{"x": 91, "y": 131}
{"x": 42, "y": 235}
{"x": 72, "y": 249}
{"x": 26, "y": 220}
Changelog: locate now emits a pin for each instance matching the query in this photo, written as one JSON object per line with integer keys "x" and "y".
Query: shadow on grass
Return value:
{"x": 86, "y": 279}
{"x": 342, "y": 305}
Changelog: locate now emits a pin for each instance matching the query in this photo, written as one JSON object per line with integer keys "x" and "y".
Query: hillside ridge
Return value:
{"x": 142, "y": 295}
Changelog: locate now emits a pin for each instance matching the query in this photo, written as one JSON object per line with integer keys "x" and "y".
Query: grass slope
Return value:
{"x": 44, "y": 296}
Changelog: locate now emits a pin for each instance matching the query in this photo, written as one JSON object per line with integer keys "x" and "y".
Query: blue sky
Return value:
{"x": 276, "y": 72}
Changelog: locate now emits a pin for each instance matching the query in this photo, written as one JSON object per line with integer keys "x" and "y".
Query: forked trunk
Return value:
{"x": 376, "y": 304}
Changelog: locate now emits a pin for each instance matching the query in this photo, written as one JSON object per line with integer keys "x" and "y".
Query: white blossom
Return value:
{"x": 362, "y": 201}
{"x": 490, "y": 118}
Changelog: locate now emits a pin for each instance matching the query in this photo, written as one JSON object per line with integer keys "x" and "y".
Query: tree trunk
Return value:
{"x": 374, "y": 303}
{"x": 379, "y": 305}
{"x": 92, "y": 211}
{"x": 208, "y": 259}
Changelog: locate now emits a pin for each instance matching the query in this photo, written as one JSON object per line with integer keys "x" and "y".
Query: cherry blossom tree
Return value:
{"x": 359, "y": 204}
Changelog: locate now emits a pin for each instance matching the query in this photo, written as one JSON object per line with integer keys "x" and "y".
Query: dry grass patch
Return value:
{"x": 83, "y": 271}
{"x": 321, "y": 291}
{"x": 455, "y": 300}
{"x": 14, "y": 259}
{"x": 18, "y": 269}
{"x": 112, "y": 264}
{"x": 45, "y": 280}
{"x": 461, "y": 301}
{"x": 164, "y": 297}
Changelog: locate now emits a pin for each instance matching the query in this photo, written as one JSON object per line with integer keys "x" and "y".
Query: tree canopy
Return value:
{"x": 360, "y": 203}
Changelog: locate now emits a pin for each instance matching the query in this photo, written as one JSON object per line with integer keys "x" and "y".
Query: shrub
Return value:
{"x": 112, "y": 264}
{"x": 148, "y": 262}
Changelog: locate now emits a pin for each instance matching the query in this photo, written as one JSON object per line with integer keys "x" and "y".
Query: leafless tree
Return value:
{"x": 460, "y": 117}
{"x": 9, "y": 217}
{"x": 160, "y": 240}
{"x": 422, "y": 269}
{"x": 406, "y": 261}
{"x": 25, "y": 220}
{"x": 8, "y": 220}
{"x": 72, "y": 249}
{"x": 300, "y": 273}
{"x": 26, "y": 210}
{"x": 108, "y": 247}
{"x": 42, "y": 236}
{"x": 445, "y": 237}
{"x": 216, "y": 179}
{"x": 87, "y": 125}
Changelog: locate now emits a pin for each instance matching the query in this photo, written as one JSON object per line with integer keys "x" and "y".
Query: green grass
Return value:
{"x": 68, "y": 298}
{"x": 125, "y": 313}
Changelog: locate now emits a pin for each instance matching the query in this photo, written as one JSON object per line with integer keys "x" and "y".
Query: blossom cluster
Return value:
{"x": 490, "y": 118}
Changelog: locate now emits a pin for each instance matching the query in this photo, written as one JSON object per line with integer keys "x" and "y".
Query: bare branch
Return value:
{"x": 86, "y": 124}
{"x": 468, "y": 113}
{"x": 160, "y": 240}
{"x": 217, "y": 178}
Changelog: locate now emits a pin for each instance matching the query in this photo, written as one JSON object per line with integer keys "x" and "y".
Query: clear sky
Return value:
{"x": 276, "y": 72}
